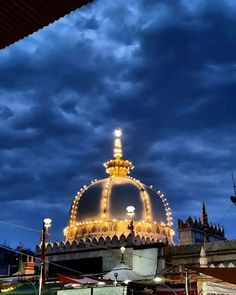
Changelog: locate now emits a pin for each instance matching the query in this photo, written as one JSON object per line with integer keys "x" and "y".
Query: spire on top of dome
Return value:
{"x": 118, "y": 166}
{"x": 117, "y": 152}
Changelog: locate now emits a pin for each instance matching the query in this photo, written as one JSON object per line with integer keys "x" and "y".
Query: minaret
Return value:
{"x": 118, "y": 166}
{"x": 117, "y": 151}
{"x": 203, "y": 261}
{"x": 205, "y": 223}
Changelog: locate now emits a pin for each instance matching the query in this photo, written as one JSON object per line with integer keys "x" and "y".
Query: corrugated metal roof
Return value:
{"x": 20, "y": 18}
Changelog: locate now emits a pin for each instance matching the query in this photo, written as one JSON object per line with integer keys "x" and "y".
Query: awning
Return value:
{"x": 76, "y": 280}
{"x": 226, "y": 274}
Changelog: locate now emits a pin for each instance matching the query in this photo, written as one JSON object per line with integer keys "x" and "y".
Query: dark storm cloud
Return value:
{"x": 162, "y": 71}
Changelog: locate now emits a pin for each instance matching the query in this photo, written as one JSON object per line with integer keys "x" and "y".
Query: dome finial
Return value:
{"x": 118, "y": 166}
{"x": 117, "y": 151}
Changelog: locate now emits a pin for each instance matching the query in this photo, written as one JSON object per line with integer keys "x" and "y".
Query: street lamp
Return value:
{"x": 122, "y": 251}
{"x": 45, "y": 233}
{"x": 131, "y": 212}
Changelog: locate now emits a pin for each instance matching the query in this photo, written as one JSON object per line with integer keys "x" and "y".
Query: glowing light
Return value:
{"x": 117, "y": 132}
{"x": 122, "y": 250}
{"x": 130, "y": 209}
{"x": 47, "y": 222}
{"x": 158, "y": 279}
{"x": 7, "y": 289}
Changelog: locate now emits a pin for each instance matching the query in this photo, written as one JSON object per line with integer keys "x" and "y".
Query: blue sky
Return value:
{"x": 163, "y": 71}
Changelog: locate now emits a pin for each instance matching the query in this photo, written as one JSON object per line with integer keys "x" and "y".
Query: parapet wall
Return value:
{"x": 102, "y": 243}
{"x": 220, "y": 252}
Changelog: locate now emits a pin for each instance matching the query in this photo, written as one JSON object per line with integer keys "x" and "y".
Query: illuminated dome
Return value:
{"x": 119, "y": 205}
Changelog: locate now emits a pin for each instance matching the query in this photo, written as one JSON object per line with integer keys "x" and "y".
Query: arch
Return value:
{"x": 114, "y": 227}
{"x": 81, "y": 243}
{"x": 49, "y": 247}
{"x": 108, "y": 240}
{"x": 88, "y": 242}
{"x": 157, "y": 230}
{"x": 143, "y": 240}
{"x": 55, "y": 246}
{"x": 94, "y": 229}
{"x": 74, "y": 245}
{"x": 138, "y": 228}
{"x": 147, "y": 240}
{"x": 115, "y": 240}
{"x": 122, "y": 239}
{"x": 94, "y": 241}
{"x": 137, "y": 239}
{"x": 130, "y": 239}
{"x": 62, "y": 244}
{"x": 67, "y": 245}
{"x": 101, "y": 241}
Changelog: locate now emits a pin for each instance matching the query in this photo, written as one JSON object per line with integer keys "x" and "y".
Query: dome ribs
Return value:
{"x": 105, "y": 198}
{"x": 145, "y": 197}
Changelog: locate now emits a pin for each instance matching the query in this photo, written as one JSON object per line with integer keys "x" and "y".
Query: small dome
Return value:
{"x": 99, "y": 209}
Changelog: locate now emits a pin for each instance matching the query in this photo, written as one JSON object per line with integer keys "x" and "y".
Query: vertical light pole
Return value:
{"x": 42, "y": 280}
{"x": 122, "y": 251}
{"x": 131, "y": 212}
{"x": 186, "y": 282}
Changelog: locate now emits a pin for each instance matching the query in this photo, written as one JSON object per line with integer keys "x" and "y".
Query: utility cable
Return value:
{"x": 48, "y": 262}
{"x": 86, "y": 243}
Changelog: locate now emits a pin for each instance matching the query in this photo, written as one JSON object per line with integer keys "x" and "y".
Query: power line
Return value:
{"x": 20, "y": 226}
{"x": 86, "y": 243}
{"x": 39, "y": 259}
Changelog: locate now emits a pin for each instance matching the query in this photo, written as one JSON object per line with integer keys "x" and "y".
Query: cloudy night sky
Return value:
{"x": 165, "y": 73}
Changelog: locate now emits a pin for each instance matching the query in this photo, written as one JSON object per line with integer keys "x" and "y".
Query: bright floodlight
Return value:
{"x": 47, "y": 222}
{"x": 130, "y": 209}
{"x": 117, "y": 132}
{"x": 122, "y": 250}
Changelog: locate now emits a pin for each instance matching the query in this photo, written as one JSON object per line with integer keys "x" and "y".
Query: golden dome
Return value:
{"x": 99, "y": 209}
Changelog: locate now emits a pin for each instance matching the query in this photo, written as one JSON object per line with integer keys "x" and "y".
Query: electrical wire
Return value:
{"x": 86, "y": 243}
{"x": 20, "y": 226}
{"x": 47, "y": 262}
{"x": 226, "y": 212}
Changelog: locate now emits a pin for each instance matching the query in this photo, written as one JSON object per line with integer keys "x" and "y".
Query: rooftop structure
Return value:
{"x": 21, "y": 18}
{"x": 195, "y": 231}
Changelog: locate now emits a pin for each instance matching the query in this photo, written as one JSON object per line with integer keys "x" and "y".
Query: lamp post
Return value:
{"x": 131, "y": 212}
{"x": 42, "y": 280}
{"x": 122, "y": 251}
{"x": 186, "y": 282}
